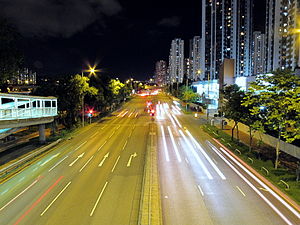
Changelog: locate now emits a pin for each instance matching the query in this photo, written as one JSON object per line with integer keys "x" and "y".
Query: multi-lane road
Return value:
{"x": 201, "y": 183}
{"x": 97, "y": 176}
{"x": 94, "y": 178}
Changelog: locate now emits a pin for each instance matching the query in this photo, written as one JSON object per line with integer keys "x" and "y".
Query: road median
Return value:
{"x": 150, "y": 206}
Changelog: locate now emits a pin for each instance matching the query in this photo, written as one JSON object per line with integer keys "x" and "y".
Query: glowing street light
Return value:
{"x": 92, "y": 71}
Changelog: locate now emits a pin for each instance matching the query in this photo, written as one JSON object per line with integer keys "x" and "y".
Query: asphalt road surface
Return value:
{"x": 94, "y": 178}
{"x": 202, "y": 184}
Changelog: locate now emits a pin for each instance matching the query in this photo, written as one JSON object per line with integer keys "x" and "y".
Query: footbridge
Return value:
{"x": 24, "y": 110}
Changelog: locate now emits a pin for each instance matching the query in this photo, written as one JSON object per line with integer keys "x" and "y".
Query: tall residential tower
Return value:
{"x": 226, "y": 34}
{"x": 282, "y": 24}
{"x": 176, "y": 61}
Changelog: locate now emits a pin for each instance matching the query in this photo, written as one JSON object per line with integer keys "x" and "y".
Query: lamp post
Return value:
{"x": 92, "y": 71}
{"x": 207, "y": 112}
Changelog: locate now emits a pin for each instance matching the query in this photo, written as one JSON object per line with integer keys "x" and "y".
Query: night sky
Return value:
{"x": 125, "y": 37}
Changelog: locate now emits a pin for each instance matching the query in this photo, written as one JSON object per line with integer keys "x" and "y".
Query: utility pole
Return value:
{"x": 82, "y": 105}
{"x": 207, "y": 110}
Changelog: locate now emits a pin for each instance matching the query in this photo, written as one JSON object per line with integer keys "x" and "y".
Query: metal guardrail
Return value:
{"x": 12, "y": 167}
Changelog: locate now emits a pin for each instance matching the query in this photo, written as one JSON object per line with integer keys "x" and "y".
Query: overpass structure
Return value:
{"x": 24, "y": 110}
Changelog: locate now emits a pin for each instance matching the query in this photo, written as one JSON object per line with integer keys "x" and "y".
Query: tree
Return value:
{"x": 232, "y": 105}
{"x": 69, "y": 92}
{"x": 253, "y": 121}
{"x": 278, "y": 94}
{"x": 116, "y": 87}
{"x": 188, "y": 95}
{"x": 10, "y": 56}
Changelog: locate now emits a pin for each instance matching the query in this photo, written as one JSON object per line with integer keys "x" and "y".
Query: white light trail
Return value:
{"x": 176, "y": 120}
{"x": 206, "y": 156}
{"x": 253, "y": 187}
{"x": 165, "y": 144}
{"x": 196, "y": 156}
{"x": 174, "y": 145}
{"x": 173, "y": 122}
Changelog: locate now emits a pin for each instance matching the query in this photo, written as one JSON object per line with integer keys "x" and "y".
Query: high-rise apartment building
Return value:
{"x": 226, "y": 33}
{"x": 194, "y": 59}
{"x": 187, "y": 68}
{"x": 258, "y": 58}
{"x": 161, "y": 72}
{"x": 282, "y": 47}
{"x": 176, "y": 61}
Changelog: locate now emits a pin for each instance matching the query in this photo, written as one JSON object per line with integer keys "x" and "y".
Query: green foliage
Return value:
{"x": 278, "y": 96}
{"x": 116, "y": 86}
{"x": 232, "y": 104}
{"x": 188, "y": 95}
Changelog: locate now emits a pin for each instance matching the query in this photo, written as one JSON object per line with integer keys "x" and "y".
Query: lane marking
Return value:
{"x": 174, "y": 145}
{"x": 124, "y": 113}
{"x": 208, "y": 174}
{"x": 52, "y": 157}
{"x": 240, "y": 191}
{"x": 115, "y": 164}
{"x": 165, "y": 144}
{"x": 124, "y": 145}
{"x": 176, "y": 120}
{"x": 199, "y": 188}
{"x": 113, "y": 133}
{"x": 103, "y": 127}
{"x": 55, "y": 198}
{"x": 33, "y": 183}
{"x": 101, "y": 145}
{"x": 98, "y": 199}
{"x": 37, "y": 201}
{"x": 171, "y": 119}
{"x": 130, "y": 115}
{"x": 136, "y": 114}
{"x": 79, "y": 146}
{"x": 130, "y": 159}
{"x": 86, "y": 164}
{"x": 104, "y": 158}
{"x": 94, "y": 134}
{"x": 250, "y": 184}
{"x": 262, "y": 184}
{"x": 215, "y": 161}
{"x": 58, "y": 163}
{"x": 78, "y": 157}
{"x": 206, "y": 156}
{"x": 187, "y": 161}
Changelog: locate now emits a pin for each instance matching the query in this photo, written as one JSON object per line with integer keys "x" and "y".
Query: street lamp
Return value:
{"x": 91, "y": 71}
{"x": 207, "y": 110}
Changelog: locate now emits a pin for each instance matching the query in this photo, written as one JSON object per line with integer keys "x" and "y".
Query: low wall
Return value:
{"x": 269, "y": 140}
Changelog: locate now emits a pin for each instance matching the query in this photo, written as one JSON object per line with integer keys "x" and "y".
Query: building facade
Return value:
{"x": 282, "y": 34}
{"x": 24, "y": 77}
{"x": 176, "y": 61}
{"x": 194, "y": 58}
{"x": 161, "y": 73}
{"x": 226, "y": 34}
{"x": 258, "y": 58}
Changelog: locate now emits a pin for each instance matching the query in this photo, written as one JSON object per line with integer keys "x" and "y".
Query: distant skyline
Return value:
{"x": 125, "y": 38}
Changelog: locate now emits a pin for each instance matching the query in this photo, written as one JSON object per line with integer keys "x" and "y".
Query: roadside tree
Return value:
{"x": 278, "y": 95}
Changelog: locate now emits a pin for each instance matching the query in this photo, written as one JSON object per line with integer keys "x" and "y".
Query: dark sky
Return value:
{"x": 125, "y": 37}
